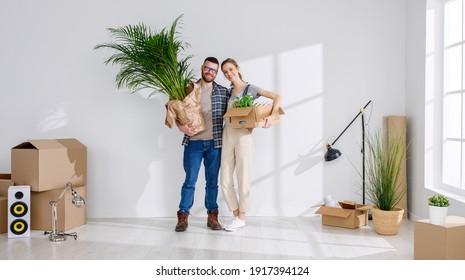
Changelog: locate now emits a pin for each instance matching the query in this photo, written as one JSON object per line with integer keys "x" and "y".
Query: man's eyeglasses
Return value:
{"x": 209, "y": 69}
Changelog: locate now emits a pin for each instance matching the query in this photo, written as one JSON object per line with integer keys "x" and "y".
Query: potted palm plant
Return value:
{"x": 438, "y": 205}
{"x": 153, "y": 60}
{"x": 384, "y": 162}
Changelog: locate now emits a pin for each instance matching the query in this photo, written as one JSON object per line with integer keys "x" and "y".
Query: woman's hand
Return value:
{"x": 268, "y": 121}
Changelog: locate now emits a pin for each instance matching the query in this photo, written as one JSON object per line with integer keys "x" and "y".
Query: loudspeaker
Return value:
{"x": 19, "y": 212}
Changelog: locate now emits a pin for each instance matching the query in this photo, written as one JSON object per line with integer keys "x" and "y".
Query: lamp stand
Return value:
{"x": 333, "y": 154}
{"x": 363, "y": 156}
{"x": 54, "y": 234}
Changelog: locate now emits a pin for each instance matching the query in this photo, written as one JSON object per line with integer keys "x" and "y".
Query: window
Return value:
{"x": 444, "y": 96}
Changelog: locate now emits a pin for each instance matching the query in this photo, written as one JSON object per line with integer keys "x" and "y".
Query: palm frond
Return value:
{"x": 150, "y": 59}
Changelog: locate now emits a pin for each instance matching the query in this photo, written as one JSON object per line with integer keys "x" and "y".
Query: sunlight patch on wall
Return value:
{"x": 300, "y": 78}
{"x": 289, "y": 156}
{"x": 429, "y": 98}
{"x": 54, "y": 119}
{"x": 146, "y": 204}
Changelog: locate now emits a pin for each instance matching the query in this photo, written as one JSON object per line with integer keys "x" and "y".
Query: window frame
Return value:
{"x": 435, "y": 101}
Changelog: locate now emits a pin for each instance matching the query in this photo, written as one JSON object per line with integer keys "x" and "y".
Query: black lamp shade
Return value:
{"x": 332, "y": 154}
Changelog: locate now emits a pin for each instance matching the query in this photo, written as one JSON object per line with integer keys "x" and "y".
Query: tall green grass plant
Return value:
{"x": 384, "y": 162}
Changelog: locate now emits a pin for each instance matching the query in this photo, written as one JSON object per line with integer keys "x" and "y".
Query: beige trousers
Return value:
{"x": 236, "y": 155}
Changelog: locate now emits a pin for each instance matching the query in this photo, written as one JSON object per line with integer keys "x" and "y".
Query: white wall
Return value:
{"x": 326, "y": 58}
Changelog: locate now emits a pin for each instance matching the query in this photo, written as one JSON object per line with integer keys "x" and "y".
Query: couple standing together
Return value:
{"x": 220, "y": 145}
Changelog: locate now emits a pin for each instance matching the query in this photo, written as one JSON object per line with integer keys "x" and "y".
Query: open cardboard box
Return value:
{"x": 350, "y": 215}
{"x": 250, "y": 117}
{"x": 5, "y": 183}
{"x": 49, "y": 164}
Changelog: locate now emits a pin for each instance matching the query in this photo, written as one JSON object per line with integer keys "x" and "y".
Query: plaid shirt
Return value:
{"x": 220, "y": 97}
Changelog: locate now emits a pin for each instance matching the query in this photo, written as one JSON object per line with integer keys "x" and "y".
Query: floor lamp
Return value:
{"x": 332, "y": 154}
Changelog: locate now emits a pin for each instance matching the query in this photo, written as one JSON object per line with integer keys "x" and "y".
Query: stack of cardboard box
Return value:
{"x": 47, "y": 165}
{"x": 5, "y": 183}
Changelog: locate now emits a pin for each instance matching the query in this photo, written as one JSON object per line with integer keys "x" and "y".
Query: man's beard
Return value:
{"x": 207, "y": 79}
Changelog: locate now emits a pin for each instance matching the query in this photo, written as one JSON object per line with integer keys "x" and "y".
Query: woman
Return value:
{"x": 238, "y": 147}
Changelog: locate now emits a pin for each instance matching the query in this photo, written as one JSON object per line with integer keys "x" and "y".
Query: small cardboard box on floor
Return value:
{"x": 69, "y": 216}
{"x": 49, "y": 164}
{"x": 5, "y": 183}
{"x": 350, "y": 215}
{"x": 439, "y": 242}
{"x": 250, "y": 117}
{"x": 3, "y": 214}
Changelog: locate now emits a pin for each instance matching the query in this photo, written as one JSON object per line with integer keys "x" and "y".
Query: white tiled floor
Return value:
{"x": 263, "y": 238}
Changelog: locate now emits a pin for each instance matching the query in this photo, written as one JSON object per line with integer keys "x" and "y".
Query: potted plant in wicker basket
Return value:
{"x": 438, "y": 205}
{"x": 384, "y": 163}
{"x": 152, "y": 60}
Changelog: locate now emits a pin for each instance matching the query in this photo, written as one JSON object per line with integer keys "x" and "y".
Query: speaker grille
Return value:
{"x": 19, "y": 209}
{"x": 18, "y": 226}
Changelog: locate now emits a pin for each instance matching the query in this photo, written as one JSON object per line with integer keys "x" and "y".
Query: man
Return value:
{"x": 205, "y": 146}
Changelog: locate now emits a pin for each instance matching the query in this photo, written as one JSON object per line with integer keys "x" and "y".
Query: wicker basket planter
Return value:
{"x": 387, "y": 222}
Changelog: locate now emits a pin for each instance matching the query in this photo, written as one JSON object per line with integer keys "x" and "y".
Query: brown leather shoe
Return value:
{"x": 182, "y": 221}
{"x": 212, "y": 220}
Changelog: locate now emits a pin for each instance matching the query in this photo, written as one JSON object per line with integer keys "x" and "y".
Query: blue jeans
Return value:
{"x": 193, "y": 155}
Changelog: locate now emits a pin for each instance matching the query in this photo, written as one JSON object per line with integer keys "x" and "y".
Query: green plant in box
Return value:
{"x": 438, "y": 200}
{"x": 244, "y": 101}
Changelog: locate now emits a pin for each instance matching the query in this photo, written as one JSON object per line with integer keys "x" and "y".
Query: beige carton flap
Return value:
{"x": 238, "y": 112}
{"x": 25, "y": 145}
{"x": 362, "y": 207}
{"x": 264, "y": 111}
{"x": 43, "y": 144}
{"x": 71, "y": 143}
{"x": 335, "y": 212}
{"x": 354, "y": 206}
{"x": 347, "y": 204}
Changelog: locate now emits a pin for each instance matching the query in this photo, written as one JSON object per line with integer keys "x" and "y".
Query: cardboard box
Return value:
{"x": 49, "y": 164}
{"x": 435, "y": 242}
{"x": 5, "y": 183}
{"x": 69, "y": 216}
{"x": 3, "y": 214}
{"x": 393, "y": 126}
{"x": 351, "y": 215}
{"x": 250, "y": 117}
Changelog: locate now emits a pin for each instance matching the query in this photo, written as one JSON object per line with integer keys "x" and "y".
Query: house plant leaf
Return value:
{"x": 150, "y": 59}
